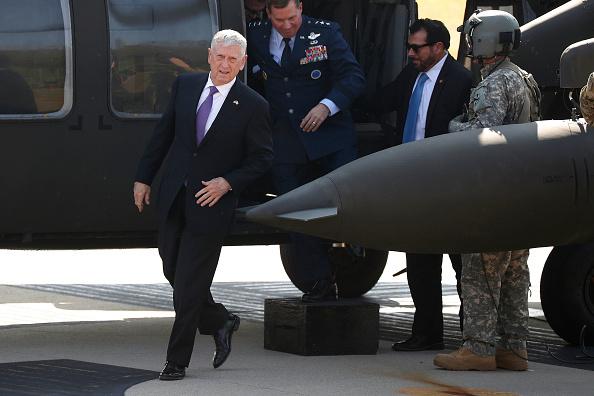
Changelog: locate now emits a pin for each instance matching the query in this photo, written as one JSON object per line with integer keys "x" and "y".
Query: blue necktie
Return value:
{"x": 413, "y": 109}
{"x": 286, "y": 57}
{"x": 202, "y": 115}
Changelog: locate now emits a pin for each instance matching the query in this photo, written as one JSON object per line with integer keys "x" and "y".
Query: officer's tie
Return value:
{"x": 202, "y": 115}
{"x": 413, "y": 109}
{"x": 286, "y": 57}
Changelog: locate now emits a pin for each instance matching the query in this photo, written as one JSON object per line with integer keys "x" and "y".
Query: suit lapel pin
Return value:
{"x": 235, "y": 102}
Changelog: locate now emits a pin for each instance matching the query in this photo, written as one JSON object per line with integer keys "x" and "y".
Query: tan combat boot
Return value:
{"x": 464, "y": 359}
{"x": 510, "y": 361}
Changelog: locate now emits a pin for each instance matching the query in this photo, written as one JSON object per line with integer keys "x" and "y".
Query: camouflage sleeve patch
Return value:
{"x": 479, "y": 103}
{"x": 480, "y": 99}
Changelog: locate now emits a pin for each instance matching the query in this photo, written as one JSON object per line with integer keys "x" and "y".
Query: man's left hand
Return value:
{"x": 213, "y": 191}
{"x": 314, "y": 118}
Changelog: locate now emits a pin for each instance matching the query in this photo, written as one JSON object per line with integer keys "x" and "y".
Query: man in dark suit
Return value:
{"x": 444, "y": 88}
{"x": 218, "y": 131}
{"x": 310, "y": 78}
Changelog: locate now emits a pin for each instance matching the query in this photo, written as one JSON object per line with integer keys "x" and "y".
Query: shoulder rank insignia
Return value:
{"x": 257, "y": 23}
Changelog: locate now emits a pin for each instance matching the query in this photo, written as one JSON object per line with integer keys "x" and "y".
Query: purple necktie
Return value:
{"x": 202, "y": 115}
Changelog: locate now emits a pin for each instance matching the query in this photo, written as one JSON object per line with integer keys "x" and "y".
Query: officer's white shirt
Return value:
{"x": 277, "y": 45}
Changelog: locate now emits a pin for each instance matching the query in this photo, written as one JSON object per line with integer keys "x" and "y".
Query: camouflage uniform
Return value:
{"x": 509, "y": 280}
{"x": 587, "y": 101}
{"x": 497, "y": 100}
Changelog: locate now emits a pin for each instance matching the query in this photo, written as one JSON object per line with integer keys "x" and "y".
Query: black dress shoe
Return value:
{"x": 172, "y": 371}
{"x": 419, "y": 343}
{"x": 223, "y": 340}
{"x": 322, "y": 290}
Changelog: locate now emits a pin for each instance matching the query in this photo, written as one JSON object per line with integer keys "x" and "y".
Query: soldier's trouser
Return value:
{"x": 508, "y": 283}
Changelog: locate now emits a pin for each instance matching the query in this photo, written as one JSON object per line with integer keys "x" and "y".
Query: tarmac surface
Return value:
{"x": 69, "y": 326}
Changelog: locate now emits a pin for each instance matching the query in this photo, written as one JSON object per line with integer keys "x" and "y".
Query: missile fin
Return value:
{"x": 310, "y": 214}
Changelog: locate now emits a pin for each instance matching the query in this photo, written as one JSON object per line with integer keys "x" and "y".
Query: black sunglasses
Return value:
{"x": 252, "y": 11}
{"x": 416, "y": 47}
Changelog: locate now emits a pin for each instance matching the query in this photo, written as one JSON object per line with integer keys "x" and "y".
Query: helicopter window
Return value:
{"x": 151, "y": 42}
{"x": 35, "y": 59}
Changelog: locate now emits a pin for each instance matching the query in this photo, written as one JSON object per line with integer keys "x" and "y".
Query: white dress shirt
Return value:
{"x": 277, "y": 45}
{"x": 217, "y": 100}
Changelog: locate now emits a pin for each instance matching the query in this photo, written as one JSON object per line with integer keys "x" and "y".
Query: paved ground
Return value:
{"x": 69, "y": 326}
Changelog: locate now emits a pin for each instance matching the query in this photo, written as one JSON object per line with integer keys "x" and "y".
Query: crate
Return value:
{"x": 343, "y": 327}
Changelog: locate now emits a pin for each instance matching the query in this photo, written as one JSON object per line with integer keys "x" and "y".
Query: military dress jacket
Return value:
{"x": 322, "y": 66}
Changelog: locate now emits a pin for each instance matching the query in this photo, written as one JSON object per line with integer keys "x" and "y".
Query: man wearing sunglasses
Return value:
{"x": 254, "y": 10}
{"x": 431, "y": 90}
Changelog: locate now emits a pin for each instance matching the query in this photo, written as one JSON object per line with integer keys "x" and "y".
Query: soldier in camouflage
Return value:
{"x": 498, "y": 99}
{"x": 587, "y": 101}
{"x": 494, "y": 285}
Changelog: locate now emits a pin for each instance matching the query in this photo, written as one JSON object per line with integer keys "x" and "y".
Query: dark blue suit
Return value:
{"x": 322, "y": 66}
{"x": 237, "y": 147}
{"x": 450, "y": 94}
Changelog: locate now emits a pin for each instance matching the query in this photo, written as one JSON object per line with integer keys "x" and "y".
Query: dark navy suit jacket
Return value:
{"x": 451, "y": 93}
{"x": 322, "y": 66}
{"x": 237, "y": 147}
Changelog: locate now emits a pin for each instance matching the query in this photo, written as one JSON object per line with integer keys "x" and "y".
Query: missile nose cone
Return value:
{"x": 313, "y": 208}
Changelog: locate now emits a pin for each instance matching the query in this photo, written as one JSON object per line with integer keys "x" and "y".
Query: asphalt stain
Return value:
{"x": 439, "y": 388}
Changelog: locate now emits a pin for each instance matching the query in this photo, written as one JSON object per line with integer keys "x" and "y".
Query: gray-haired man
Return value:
{"x": 218, "y": 132}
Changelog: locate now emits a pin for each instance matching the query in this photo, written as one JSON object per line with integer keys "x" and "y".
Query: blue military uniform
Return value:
{"x": 321, "y": 66}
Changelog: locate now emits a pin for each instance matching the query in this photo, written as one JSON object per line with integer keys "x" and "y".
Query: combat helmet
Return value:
{"x": 491, "y": 33}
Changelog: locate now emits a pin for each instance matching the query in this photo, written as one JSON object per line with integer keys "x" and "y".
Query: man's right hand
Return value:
{"x": 142, "y": 194}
